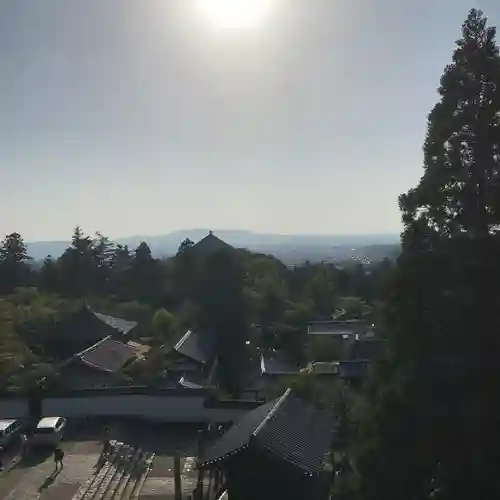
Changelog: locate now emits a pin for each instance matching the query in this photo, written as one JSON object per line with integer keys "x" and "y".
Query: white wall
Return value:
{"x": 13, "y": 408}
{"x": 171, "y": 408}
{"x": 163, "y": 408}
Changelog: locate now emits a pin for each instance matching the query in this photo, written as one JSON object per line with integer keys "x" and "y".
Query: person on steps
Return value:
{"x": 24, "y": 445}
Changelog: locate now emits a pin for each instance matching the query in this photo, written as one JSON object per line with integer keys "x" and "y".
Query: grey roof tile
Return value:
{"x": 366, "y": 349}
{"x": 353, "y": 368}
{"x": 107, "y": 355}
{"x": 325, "y": 368}
{"x": 288, "y": 428}
{"x": 238, "y": 436}
{"x": 276, "y": 364}
{"x": 188, "y": 384}
{"x": 122, "y": 325}
{"x": 197, "y": 345}
{"x": 338, "y": 327}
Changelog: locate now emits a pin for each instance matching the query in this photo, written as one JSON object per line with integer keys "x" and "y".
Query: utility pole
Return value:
{"x": 177, "y": 477}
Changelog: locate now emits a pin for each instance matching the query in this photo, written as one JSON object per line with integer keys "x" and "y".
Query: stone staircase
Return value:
{"x": 120, "y": 476}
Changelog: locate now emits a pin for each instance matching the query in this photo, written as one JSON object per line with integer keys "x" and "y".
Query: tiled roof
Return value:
{"x": 122, "y": 325}
{"x": 288, "y": 428}
{"x": 355, "y": 368}
{"x": 107, "y": 355}
{"x": 210, "y": 244}
{"x": 366, "y": 349}
{"x": 187, "y": 384}
{"x": 336, "y": 327}
{"x": 324, "y": 368}
{"x": 83, "y": 322}
{"x": 275, "y": 364}
{"x": 238, "y": 436}
{"x": 196, "y": 345}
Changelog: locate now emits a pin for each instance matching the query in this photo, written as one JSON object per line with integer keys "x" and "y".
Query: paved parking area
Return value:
{"x": 34, "y": 478}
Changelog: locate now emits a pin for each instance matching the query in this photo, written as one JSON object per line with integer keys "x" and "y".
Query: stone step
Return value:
{"x": 128, "y": 488}
{"x": 122, "y": 456}
{"x": 119, "y": 483}
{"x": 145, "y": 467}
{"x": 98, "y": 474}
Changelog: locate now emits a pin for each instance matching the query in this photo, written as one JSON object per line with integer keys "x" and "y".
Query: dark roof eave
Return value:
{"x": 278, "y": 373}
{"x": 252, "y": 442}
{"x": 222, "y": 458}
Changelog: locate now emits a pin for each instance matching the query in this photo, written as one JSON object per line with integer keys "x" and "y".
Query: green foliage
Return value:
{"x": 430, "y": 420}
{"x": 324, "y": 395}
{"x": 353, "y": 308}
{"x": 459, "y": 190}
{"x": 14, "y": 268}
{"x": 325, "y": 348}
{"x": 227, "y": 291}
{"x": 222, "y": 309}
{"x": 163, "y": 324}
{"x": 150, "y": 371}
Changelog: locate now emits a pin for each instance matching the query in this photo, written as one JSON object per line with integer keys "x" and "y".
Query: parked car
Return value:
{"x": 48, "y": 432}
{"x": 10, "y": 431}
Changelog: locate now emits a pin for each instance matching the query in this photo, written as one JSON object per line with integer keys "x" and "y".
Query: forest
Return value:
{"x": 229, "y": 292}
{"x": 427, "y": 426}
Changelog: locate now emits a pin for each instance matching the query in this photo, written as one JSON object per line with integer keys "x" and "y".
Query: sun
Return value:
{"x": 235, "y": 14}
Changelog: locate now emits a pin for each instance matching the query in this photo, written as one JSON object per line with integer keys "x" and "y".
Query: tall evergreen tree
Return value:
{"x": 185, "y": 270}
{"x": 121, "y": 263}
{"x": 433, "y": 424}
{"x": 460, "y": 189}
{"x": 223, "y": 312}
{"x": 76, "y": 265}
{"x": 103, "y": 254}
{"x": 48, "y": 277}
{"x": 146, "y": 276}
{"x": 14, "y": 268}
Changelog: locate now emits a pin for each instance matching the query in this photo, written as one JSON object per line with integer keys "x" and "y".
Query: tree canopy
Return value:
{"x": 233, "y": 292}
{"x": 429, "y": 425}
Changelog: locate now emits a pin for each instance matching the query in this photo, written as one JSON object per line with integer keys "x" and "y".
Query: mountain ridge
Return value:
{"x": 166, "y": 244}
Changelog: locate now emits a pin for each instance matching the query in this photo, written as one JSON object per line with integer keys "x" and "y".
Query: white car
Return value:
{"x": 9, "y": 431}
{"x": 48, "y": 432}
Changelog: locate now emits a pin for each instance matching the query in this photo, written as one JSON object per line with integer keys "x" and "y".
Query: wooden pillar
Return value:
{"x": 199, "y": 480}
{"x": 177, "y": 477}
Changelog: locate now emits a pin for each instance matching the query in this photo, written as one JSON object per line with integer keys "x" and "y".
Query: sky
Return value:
{"x": 145, "y": 117}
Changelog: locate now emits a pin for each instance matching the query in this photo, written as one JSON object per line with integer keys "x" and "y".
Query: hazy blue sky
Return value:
{"x": 140, "y": 117}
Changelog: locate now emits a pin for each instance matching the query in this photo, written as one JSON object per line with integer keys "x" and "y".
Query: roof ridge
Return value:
{"x": 274, "y": 409}
{"x": 93, "y": 346}
{"x": 78, "y": 355}
{"x": 132, "y": 351}
{"x": 183, "y": 339}
{"x": 118, "y": 342}
{"x": 92, "y": 365}
{"x": 262, "y": 363}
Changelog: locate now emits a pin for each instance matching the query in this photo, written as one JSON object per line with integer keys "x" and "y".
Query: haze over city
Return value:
{"x": 147, "y": 117}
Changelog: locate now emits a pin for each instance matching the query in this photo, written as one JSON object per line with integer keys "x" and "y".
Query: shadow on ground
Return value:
{"x": 161, "y": 438}
{"x": 49, "y": 480}
{"x": 35, "y": 457}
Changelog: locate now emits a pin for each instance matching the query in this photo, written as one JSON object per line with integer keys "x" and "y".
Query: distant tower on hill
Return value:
{"x": 210, "y": 244}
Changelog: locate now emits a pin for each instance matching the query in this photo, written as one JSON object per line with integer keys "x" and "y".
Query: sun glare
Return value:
{"x": 235, "y": 14}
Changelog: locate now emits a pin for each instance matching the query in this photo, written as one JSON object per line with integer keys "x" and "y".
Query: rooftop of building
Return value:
{"x": 288, "y": 428}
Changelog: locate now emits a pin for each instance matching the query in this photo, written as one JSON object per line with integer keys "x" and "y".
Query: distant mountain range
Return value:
{"x": 291, "y": 248}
